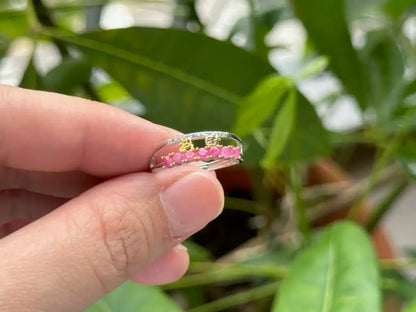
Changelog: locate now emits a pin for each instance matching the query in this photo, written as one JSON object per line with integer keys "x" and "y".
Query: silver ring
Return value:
{"x": 209, "y": 150}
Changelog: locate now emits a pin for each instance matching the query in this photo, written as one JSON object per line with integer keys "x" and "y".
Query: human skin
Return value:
{"x": 79, "y": 211}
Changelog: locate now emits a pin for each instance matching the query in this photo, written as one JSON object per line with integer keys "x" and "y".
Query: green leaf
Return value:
{"x": 385, "y": 67}
{"x": 314, "y": 68}
{"x": 114, "y": 94}
{"x": 397, "y": 284}
{"x": 259, "y": 105}
{"x": 411, "y": 307}
{"x": 410, "y": 90}
{"x": 197, "y": 252}
{"x": 395, "y": 8}
{"x": 31, "y": 79}
{"x": 112, "y": 91}
{"x": 406, "y": 155}
{"x": 67, "y": 76}
{"x": 308, "y": 139}
{"x": 99, "y": 306}
{"x": 326, "y": 25}
{"x": 13, "y": 23}
{"x": 135, "y": 298}
{"x": 4, "y": 45}
{"x": 281, "y": 130}
{"x": 186, "y": 80}
{"x": 405, "y": 152}
{"x": 337, "y": 273}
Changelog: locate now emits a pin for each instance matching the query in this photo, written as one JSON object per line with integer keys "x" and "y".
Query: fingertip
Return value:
{"x": 191, "y": 202}
{"x": 166, "y": 269}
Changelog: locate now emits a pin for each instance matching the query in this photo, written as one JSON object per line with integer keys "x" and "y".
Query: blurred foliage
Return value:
{"x": 326, "y": 275}
{"x": 411, "y": 307}
{"x": 186, "y": 77}
{"x": 190, "y": 86}
{"x": 133, "y": 297}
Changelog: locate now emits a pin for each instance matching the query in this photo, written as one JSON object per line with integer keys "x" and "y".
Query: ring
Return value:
{"x": 209, "y": 150}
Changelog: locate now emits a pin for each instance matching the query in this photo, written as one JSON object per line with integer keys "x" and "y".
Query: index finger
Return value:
{"x": 52, "y": 132}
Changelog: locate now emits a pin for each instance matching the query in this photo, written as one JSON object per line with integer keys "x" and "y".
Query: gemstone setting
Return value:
{"x": 167, "y": 161}
{"x": 207, "y": 153}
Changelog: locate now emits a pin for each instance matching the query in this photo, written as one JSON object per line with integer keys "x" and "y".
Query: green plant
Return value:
{"x": 189, "y": 81}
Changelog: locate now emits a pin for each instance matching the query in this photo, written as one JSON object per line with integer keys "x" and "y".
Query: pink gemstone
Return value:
{"x": 189, "y": 155}
{"x": 167, "y": 161}
{"x": 236, "y": 152}
{"x": 202, "y": 153}
{"x": 214, "y": 151}
{"x": 177, "y": 158}
{"x": 227, "y": 152}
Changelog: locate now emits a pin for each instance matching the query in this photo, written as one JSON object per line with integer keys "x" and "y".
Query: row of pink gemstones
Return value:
{"x": 211, "y": 152}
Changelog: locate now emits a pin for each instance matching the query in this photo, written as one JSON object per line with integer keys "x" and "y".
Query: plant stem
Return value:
{"x": 389, "y": 284}
{"x": 385, "y": 205}
{"x": 348, "y": 195}
{"x": 210, "y": 278}
{"x": 296, "y": 185}
{"x": 241, "y": 204}
{"x": 240, "y": 298}
{"x": 216, "y": 273}
{"x": 271, "y": 270}
{"x": 378, "y": 166}
{"x": 389, "y": 150}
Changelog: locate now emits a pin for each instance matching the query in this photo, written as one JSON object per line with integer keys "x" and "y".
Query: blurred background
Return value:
{"x": 323, "y": 94}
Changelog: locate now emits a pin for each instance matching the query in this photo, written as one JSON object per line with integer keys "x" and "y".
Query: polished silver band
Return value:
{"x": 209, "y": 150}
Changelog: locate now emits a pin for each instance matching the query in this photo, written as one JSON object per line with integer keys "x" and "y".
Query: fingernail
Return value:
{"x": 181, "y": 247}
{"x": 191, "y": 203}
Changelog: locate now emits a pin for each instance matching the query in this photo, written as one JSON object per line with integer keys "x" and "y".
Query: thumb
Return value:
{"x": 71, "y": 257}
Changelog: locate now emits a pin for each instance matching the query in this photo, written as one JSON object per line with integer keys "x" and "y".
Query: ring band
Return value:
{"x": 209, "y": 150}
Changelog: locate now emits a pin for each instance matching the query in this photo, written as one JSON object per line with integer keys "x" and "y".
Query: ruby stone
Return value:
{"x": 236, "y": 152}
{"x": 189, "y": 155}
{"x": 167, "y": 161}
{"x": 214, "y": 151}
{"x": 202, "y": 153}
{"x": 177, "y": 158}
{"x": 227, "y": 152}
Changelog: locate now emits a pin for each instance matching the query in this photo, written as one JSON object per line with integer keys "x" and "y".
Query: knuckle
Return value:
{"x": 125, "y": 235}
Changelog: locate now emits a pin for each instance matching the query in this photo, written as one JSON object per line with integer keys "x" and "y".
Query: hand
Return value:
{"x": 73, "y": 172}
